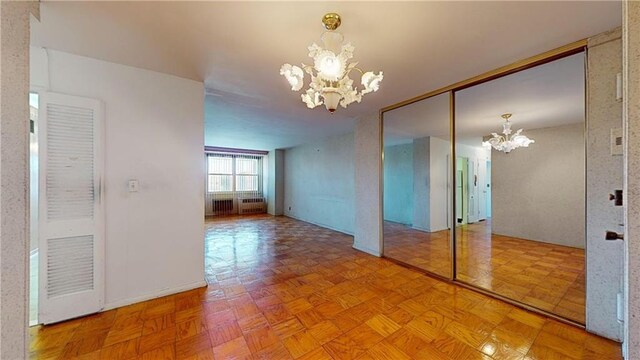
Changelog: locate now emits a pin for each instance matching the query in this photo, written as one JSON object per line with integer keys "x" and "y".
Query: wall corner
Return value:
{"x": 368, "y": 179}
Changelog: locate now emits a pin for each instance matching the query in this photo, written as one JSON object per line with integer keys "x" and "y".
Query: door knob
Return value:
{"x": 612, "y": 235}
{"x": 616, "y": 197}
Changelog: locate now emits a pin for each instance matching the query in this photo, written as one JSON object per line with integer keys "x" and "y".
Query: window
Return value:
{"x": 220, "y": 173}
{"x": 246, "y": 174}
{"x": 234, "y": 173}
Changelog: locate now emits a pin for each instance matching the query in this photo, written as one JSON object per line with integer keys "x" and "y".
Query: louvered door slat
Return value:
{"x": 69, "y": 176}
{"x": 70, "y": 265}
{"x": 71, "y": 239}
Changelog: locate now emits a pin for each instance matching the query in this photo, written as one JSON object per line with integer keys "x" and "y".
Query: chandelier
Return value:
{"x": 330, "y": 82}
{"x": 507, "y": 142}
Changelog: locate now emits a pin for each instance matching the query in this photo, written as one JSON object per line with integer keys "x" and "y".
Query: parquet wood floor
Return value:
{"x": 548, "y": 276}
{"x": 425, "y": 250}
{"x": 284, "y": 289}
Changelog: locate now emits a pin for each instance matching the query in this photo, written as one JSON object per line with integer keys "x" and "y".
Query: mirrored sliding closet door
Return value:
{"x": 520, "y": 186}
{"x": 416, "y": 148}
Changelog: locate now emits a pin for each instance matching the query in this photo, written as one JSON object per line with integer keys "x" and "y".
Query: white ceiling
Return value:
{"x": 237, "y": 48}
{"x": 428, "y": 117}
{"x": 549, "y": 95}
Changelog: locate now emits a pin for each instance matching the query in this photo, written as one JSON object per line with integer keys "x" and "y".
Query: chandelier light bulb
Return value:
{"x": 328, "y": 66}
{"x": 330, "y": 82}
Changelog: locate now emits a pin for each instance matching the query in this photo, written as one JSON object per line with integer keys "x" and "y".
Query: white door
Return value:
{"x": 472, "y": 214}
{"x": 459, "y": 197}
{"x": 71, "y": 235}
{"x": 449, "y": 195}
{"x": 488, "y": 188}
{"x": 482, "y": 190}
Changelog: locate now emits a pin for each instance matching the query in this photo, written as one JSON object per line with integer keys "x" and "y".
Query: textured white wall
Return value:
{"x": 154, "y": 132}
{"x": 438, "y": 184}
{"x": 14, "y": 176}
{"x": 539, "y": 192}
{"x": 319, "y": 184}
{"x": 368, "y": 173}
{"x": 604, "y": 174}
{"x": 275, "y": 182}
{"x": 632, "y": 180}
{"x": 421, "y": 193}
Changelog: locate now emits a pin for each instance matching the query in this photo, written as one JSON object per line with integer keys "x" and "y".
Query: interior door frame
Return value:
{"x": 573, "y": 48}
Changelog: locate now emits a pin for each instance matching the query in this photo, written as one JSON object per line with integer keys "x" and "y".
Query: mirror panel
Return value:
{"x": 520, "y": 212}
{"x": 416, "y": 148}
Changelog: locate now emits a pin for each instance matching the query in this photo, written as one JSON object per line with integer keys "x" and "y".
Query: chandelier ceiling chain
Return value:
{"x": 330, "y": 82}
{"x": 506, "y": 142}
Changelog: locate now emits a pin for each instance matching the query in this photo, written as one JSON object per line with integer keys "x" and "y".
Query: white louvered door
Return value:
{"x": 71, "y": 236}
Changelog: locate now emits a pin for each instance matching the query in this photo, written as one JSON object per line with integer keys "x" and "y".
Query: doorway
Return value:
{"x": 33, "y": 208}
{"x": 462, "y": 194}
{"x": 487, "y": 189}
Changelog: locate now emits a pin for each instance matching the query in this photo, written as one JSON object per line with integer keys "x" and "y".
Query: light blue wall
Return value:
{"x": 398, "y": 183}
{"x": 319, "y": 183}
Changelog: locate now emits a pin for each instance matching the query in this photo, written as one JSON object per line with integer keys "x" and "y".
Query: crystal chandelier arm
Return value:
{"x": 294, "y": 76}
{"x": 499, "y": 138}
{"x": 354, "y": 67}
{"x": 311, "y": 98}
{"x": 308, "y": 69}
{"x": 346, "y": 51}
{"x": 371, "y": 81}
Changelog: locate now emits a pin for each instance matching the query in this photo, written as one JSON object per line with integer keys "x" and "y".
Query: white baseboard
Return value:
{"x": 366, "y": 250}
{"x": 154, "y": 295}
{"x": 321, "y": 225}
{"x": 421, "y": 229}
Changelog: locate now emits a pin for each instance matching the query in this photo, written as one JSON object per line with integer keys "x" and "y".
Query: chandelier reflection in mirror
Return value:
{"x": 506, "y": 142}
{"x": 330, "y": 82}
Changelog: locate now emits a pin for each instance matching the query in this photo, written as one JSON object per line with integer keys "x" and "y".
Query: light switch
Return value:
{"x": 133, "y": 185}
{"x": 616, "y": 142}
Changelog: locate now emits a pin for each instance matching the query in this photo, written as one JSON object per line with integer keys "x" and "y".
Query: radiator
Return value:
{"x": 251, "y": 205}
{"x": 222, "y": 206}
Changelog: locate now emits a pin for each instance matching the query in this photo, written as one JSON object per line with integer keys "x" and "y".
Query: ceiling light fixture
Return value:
{"x": 506, "y": 142}
{"x": 330, "y": 83}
